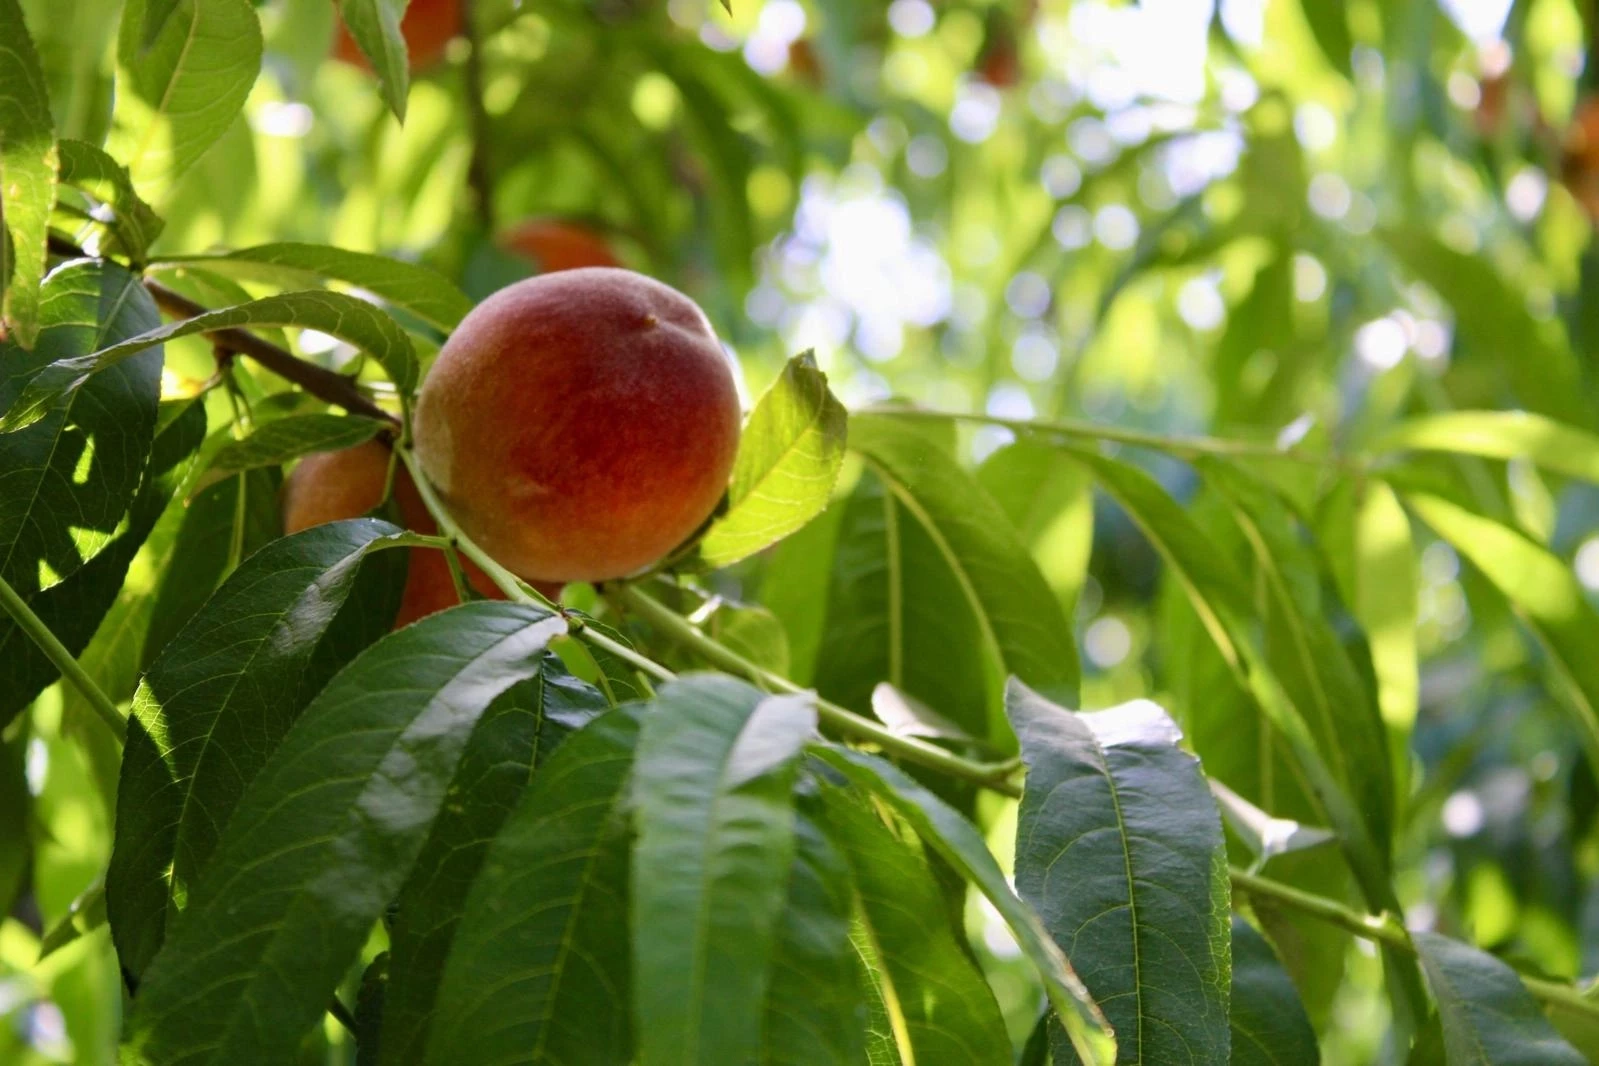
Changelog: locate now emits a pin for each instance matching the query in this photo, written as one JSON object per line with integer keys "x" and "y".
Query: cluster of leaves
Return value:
{"x": 509, "y": 834}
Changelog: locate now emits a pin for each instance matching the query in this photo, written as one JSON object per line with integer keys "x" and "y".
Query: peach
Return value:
{"x": 580, "y": 425}
{"x": 553, "y": 244}
{"x": 428, "y": 27}
{"x": 329, "y": 486}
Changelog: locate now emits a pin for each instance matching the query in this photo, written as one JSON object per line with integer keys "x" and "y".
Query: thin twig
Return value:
{"x": 318, "y": 381}
{"x": 1386, "y": 929}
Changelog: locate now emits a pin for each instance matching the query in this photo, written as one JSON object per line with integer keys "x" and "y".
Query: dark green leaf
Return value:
{"x": 815, "y": 1009}
{"x": 420, "y": 290}
{"x": 344, "y": 317}
{"x": 1020, "y": 619}
{"x": 27, "y": 177}
{"x": 132, "y": 224}
{"x": 538, "y": 972}
{"x": 1269, "y": 1024}
{"x": 16, "y": 808}
{"x": 518, "y": 732}
{"x": 375, "y": 26}
{"x": 219, "y": 528}
{"x": 190, "y": 72}
{"x": 1119, "y": 848}
{"x": 324, "y": 836}
{"x": 1330, "y": 26}
{"x": 713, "y": 794}
{"x": 895, "y": 613}
{"x": 68, "y": 480}
{"x": 1489, "y": 1018}
{"x": 932, "y": 990}
{"x": 218, "y": 700}
{"x": 788, "y": 462}
{"x": 959, "y": 843}
{"x": 283, "y": 440}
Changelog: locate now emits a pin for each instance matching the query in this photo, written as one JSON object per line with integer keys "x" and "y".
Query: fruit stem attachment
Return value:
{"x": 995, "y": 776}
{"x": 509, "y": 583}
{"x": 62, "y": 659}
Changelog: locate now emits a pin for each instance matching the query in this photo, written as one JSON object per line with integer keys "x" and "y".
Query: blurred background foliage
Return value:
{"x": 1265, "y": 220}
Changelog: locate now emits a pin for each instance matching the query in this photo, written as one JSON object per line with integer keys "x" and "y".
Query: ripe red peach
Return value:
{"x": 329, "y": 486}
{"x": 580, "y": 425}
{"x": 555, "y": 244}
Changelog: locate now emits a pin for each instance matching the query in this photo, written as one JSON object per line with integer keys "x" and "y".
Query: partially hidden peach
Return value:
{"x": 330, "y": 486}
{"x": 580, "y": 425}
{"x": 554, "y": 244}
{"x": 428, "y": 27}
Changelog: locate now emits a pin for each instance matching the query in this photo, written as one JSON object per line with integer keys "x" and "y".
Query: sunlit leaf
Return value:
{"x": 190, "y": 72}
{"x": 283, "y": 440}
{"x": 27, "y": 177}
{"x": 788, "y": 460}
{"x": 420, "y": 290}
{"x": 132, "y": 223}
{"x": 1554, "y": 446}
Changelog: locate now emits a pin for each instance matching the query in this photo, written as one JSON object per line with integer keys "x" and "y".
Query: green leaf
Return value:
{"x": 27, "y": 177}
{"x": 84, "y": 915}
{"x": 815, "y": 1007}
{"x": 218, "y": 528}
{"x": 1269, "y": 1024}
{"x": 375, "y": 26}
{"x": 1555, "y": 446}
{"x": 1532, "y": 355}
{"x": 422, "y": 291}
{"x": 1266, "y": 835}
{"x": 74, "y": 608}
{"x": 131, "y": 222}
{"x": 935, "y": 996}
{"x": 1330, "y": 26}
{"x": 283, "y": 440}
{"x": 752, "y": 631}
{"x": 218, "y": 700}
{"x": 341, "y": 316}
{"x": 895, "y": 612}
{"x": 1489, "y": 1018}
{"x": 1119, "y": 848}
{"x": 1543, "y": 590}
{"x": 516, "y": 735}
{"x": 1305, "y": 653}
{"x": 68, "y": 480}
{"x": 182, "y": 85}
{"x": 788, "y": 461}
{"x": 1021, "y": 621}
{"x": 959, "y": 843}
{"x": 538, "y": 971}
{"x": 713, "y": 795}
{"x": 324, "y": 836}
{"x": 1050, "y": 501}
{"x": 16, "y": 810}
